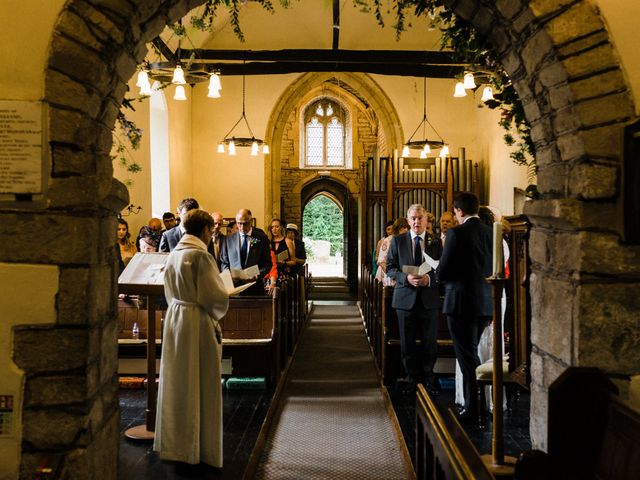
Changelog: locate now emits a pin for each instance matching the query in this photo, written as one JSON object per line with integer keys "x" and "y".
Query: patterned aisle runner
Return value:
{"x": 332, "y": 421}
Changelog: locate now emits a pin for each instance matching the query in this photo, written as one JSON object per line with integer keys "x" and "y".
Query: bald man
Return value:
{"x": 248, "y": 247}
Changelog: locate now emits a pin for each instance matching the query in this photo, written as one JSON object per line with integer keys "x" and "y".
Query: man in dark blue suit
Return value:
{"x": 465, "y": 264}
{"x": 246, "y": 248}
{"x": 170, "y": 238}
{"x": 416, "y": 301}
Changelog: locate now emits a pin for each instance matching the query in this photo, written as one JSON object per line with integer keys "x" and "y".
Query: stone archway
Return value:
{"x": 565, "y": 70}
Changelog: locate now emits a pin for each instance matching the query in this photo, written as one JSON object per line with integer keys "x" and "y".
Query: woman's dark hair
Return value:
{"x": 486, "y": 215}
{"x": 400, "y": 223}
{"x": 150, "y": 236}
{"x": 196, "y": 222}
{"x": 122, "y": 221}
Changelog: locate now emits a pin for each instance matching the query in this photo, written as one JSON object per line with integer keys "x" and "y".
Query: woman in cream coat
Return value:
{"x": 189, "y": 413}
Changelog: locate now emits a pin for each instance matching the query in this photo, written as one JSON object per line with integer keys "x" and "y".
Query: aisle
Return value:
{"x": 332, "y": 420}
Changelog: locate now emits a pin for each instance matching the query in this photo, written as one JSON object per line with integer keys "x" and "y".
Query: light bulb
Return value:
{"x": 459, "y": 91}
{"x": 469, "y": 81}
{"x": 232, "y": 148}
{"x": 180, "y": 94}
{"x": 145, "y": 89}
{"x": 254, "y": 149}
{"x": 214, "y": 82}
{"x": 213, "y": 93}
{"x": 445, "y": 151}
{"x": 329, "y": 110}
{"x": 487, "y": 94}
{"x": 265, "y": 148}
{"x": 320, "y": 111}
{"x": 178, "y": 76}
{"x": 427, "y": 148}
{"x": 143, "y": 78}
{"x": 423, "y": 154}
{"x": 405, "y": 151}
{"x": 221, "y": 147}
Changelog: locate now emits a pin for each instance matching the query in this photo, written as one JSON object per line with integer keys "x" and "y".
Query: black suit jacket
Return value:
{"x": 170, "y": 239}
{"x": 259, "y": 252}
{"x": 400, "y": 254}
{"x": 220, "y": 241}
{"x": 465, "y": 264}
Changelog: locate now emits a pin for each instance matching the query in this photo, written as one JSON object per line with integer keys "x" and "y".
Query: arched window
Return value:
{"x": 325, "y": 142}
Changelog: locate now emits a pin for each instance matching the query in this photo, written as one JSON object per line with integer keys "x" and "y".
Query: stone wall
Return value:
{"x": 585, "y": 282}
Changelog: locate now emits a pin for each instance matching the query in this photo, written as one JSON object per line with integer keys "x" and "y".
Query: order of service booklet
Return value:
{"x": 228, "y": 283}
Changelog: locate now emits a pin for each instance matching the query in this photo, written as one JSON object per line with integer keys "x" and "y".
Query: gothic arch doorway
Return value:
{"x": 338, "y": 193}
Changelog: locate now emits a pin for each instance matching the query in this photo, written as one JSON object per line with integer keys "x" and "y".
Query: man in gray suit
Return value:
{"x": 248, "y": 247}
{"x": 170, "y": 238}
{"x": 416, "y": 301}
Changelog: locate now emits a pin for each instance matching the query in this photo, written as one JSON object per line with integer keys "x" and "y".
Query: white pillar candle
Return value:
{"x": 498, "y": 254}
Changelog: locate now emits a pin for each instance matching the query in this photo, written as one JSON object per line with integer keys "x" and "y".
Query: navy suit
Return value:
{"x": 466, "y": 262}
{"x": 416, "y": 307}
{"x": 211, "y": 248}
{"x": 259, "y": 253}
{"x": 170, "y": 239}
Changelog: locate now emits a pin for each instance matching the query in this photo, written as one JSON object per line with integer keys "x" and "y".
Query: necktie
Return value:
{"x": 216, "y": 248}
{"x": 243, "y": 250}
{"x": 417, "y": 253}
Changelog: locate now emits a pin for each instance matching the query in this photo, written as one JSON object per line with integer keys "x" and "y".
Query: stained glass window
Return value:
{"x": 325, "y": 134}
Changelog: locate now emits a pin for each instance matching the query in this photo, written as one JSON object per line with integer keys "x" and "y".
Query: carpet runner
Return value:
{"x": 332, "y": 420}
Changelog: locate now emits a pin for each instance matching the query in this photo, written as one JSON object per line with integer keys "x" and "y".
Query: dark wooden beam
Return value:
{"x": 164, "y": 49}
{"x": 280, "y": 68}
{"x": 323, "y": 55}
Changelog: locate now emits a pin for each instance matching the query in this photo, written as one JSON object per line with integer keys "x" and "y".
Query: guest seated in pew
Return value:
{"x": 280, "y": 244}
{"x": 416, "y": 300}
{"x": 189, "y": 414}
{"x": 149, "y": 240}
{"x": 447, "y": 220}
{"x": 169, "y": 220}
{"x": 400, "y": 226}
{"x": 271, "y": 280}
{"x": 301, "y": 254}
{"x": 126, "y": 246}
{"x": 246, "y": 248}
{"x": 388, "y": 233}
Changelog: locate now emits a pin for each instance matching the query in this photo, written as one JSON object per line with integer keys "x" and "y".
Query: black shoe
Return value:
{"x": 433, "y": 388}
{"x": 406, "y": 386}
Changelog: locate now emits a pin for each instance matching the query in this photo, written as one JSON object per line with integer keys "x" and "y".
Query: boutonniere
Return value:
{"x": 253, "y": 241}
{"x": 429, "y": 239}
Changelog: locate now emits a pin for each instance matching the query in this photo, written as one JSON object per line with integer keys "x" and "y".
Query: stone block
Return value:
{"x": 531, "y": 111}
{"x": 553, "y": 178}
{"x": 509, "y": 8}
{"x": 68, "y": 161}
{"x": 91, "y": 71}
{"x": 579, "y": 20}
{"x": 560, "y": 97}
{"x": 483, "y": 21}
{"x": 604, "y": 142}
{"x": 552, "y": 74}
{"x": 538, "y": 416}
{"x": 74, "y": 26}
{"x": 55, "y": 429}
{"x": 544, "y": 8}
{"x": 511, "y": 62}
{"x": 123, "y": 9}
{"x": 617, "y": 107}
{"x": 570, "y": 146}
{"x": 546, "y": 155}
{"x": 570, "y": 213}
{"x": 126, "y": 66}
{"x": 579, "y": 45}
{"x": 609, "y": 331}
{"x": 591, "y": 62}
{"x": 565, "y": 121}
{"x": 70, "y": 93}
{"x": 109, "y": 351}
{"x": 524, "y": 21}
{"x": 48, "y": 349}
{"x": 73, "y": 191}
{"x": 72, "y": 127}
{"x": 634, "y": 391}
{"x": 542, "y": 132}
{"x": 48, "y": 238}
{"x": 102, "y": 26}
{"x": 72, "y": 299}
{"x": 53, "y": 390}
{"x": 592, "y": 181}
{"x": 552, "y": 315}
{"x": 536, "y": 50}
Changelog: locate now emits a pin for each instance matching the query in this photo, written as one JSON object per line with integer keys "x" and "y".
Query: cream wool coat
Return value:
{"x": 189, "y": 412}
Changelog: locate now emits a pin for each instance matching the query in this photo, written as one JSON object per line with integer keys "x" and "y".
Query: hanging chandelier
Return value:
{"x": 469, "y": 83}
{"x": 232, "y": 141}
{"x": 424, "y": 145}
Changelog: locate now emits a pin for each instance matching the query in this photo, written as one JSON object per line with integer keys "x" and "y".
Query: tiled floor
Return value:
{"x": 516, "y": 425}
{"x": 244, "y": 412}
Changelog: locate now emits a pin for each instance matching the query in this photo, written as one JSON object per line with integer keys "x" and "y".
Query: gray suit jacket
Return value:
{"x": 170, "y": 239}
{"x": 400, "y": 254}
{"x": 259, "y": 252}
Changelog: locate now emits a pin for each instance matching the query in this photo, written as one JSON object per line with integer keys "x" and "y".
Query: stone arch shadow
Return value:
{"x": 95, "y": 47}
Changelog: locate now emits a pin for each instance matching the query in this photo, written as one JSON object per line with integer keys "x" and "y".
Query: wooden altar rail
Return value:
{"x": 443, "y": 450}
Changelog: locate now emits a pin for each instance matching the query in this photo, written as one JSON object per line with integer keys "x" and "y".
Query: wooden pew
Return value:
{"x": 251, "y": 336}
{"x": 443, "y": 450}
{"x": 592, "y": 434}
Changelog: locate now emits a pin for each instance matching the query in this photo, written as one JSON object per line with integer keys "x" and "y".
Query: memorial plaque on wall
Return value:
{"x": 21, "y": 147}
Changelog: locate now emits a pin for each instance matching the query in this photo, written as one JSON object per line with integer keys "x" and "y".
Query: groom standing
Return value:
{"x": 465, "y": 264}
{"x": 416, "y": 301}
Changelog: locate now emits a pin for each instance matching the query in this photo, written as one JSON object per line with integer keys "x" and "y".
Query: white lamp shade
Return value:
{"x": 459, "y": 91}
{"x": 487, "y": 94}
{"x": 213, "y": 93}
{"x": 265, "y": 148}
{"x": 232, "y": 148}
{"x": 178, "y": 76}
{"x": 180, "y": 94}
{"x": 405, "y": 151}
{"x": 221, "y": 147}
{"x": 445, "y": 151}
{"x": 469, "y": 81}
{"x": 423, "y": 154}
{"x": 254, "y": 149}
{"x": 427, "y": 148}
{"x": 214, "y": 82}
{"x": 145, "y": 90}
{"x": 143, "y": 78}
